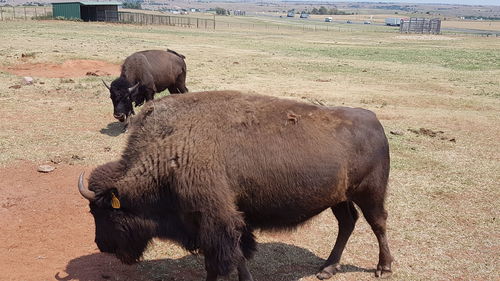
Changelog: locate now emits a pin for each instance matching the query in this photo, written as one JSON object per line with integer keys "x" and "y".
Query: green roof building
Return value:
{"x": 86, "y": 11}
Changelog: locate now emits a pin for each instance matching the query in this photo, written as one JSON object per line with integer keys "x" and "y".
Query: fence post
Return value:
{"x": 214, "y": 21}
{"x": 197, "y": 22}
{"x": 25, "y": 13}
{"x": 36, "y": 16}
{"x": 1, "y": 13}
{"x": 13, "y": 12}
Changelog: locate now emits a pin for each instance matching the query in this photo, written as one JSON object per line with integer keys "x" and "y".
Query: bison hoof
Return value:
{"x": 328, "y": 271}
{"x": 383, "y": 272}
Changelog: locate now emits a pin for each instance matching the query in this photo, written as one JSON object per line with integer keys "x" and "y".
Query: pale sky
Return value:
{"x": 462, "y": 2}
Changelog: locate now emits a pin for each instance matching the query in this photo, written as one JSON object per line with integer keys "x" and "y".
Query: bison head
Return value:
{"x": 121, "y": 94}
{"x": 118, "y": 229}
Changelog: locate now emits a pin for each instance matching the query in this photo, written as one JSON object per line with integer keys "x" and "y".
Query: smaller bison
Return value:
{"x": 143, "y": 74}
{"x": 208, "y": 178}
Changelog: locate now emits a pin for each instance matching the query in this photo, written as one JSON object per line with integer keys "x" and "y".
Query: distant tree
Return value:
{"x": 322, "y": 10}
{"x": 130, "y": 4}
{"x": 221, "y": 11}
{"x": 314, "y": 11}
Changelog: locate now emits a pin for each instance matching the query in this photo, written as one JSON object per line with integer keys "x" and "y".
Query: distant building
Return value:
{"x": 239, "y": 13}
{"x": 86, "y": 11}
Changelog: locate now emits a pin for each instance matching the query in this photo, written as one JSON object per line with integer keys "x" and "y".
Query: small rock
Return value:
{"x": 28, "y": 80}
{"x": 107, "y": 149}
{"x": 15, "y": 87}
{"x": 45, "y": 168}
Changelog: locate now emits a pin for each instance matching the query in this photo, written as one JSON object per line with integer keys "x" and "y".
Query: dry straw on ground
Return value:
{"x": 444, "y": 196}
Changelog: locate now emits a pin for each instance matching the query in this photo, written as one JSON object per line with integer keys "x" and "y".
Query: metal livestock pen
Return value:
{"x": 420, "y": 25}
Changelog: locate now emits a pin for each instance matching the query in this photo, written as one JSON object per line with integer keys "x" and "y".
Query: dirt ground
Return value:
{"x": 68, "y": 69}
{"x": 47, "y": 229}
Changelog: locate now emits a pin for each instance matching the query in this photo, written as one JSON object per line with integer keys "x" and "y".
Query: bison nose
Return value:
{"x": 121, "y": 117}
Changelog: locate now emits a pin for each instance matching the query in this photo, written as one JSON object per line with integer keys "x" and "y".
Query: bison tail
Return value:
{"x": 175, "y": 53}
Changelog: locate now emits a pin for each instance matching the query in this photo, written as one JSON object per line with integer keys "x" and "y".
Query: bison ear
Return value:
{"x": 115, "y": 202}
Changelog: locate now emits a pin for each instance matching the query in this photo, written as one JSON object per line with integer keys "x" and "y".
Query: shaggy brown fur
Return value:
{"x": 152, "y": 71}
{"x": 206, "y": 169}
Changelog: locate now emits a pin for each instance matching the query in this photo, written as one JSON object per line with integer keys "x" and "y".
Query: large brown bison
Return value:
{"x": 142, "y": 75}
{"x": 207, "y": 178}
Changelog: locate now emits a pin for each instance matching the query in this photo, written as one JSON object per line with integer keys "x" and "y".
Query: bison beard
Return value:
{"x": 207, "y": 178}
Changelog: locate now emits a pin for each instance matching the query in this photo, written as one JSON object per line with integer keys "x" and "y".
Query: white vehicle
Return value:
{"x": 393, "y": 21}
{"x": 328, "y": 19}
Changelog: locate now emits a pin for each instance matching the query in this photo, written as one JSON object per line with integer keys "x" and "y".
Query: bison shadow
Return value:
{"x": 272, "y": 262}
{"x": 113, "y": 129}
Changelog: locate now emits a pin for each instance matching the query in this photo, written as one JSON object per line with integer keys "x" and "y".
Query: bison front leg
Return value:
{"x": 243, "y": 272}
{"x": 211, "y": 274}
{"x": 220, "y": 238}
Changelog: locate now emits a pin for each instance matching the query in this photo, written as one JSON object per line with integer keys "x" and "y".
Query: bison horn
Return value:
{"x": 106, "y": 84}
{"x": 131, "y": 89}
{"x": 85, "y": 192}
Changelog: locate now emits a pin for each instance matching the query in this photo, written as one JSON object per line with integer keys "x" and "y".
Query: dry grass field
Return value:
{"x": 438, "y": 98}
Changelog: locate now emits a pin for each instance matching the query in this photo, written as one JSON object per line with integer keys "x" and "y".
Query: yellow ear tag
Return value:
{"x": 115, "y": 202}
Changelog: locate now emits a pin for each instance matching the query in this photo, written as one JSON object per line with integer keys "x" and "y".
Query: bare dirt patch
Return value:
{"x": 68, "y": 69}
{"x": 47, "y": 231}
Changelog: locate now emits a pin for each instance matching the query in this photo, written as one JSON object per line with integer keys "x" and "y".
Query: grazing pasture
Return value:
{"x": 438, "y": 97}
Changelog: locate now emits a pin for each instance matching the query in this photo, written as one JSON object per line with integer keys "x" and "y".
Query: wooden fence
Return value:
{"x": 24, "y": 12}
{"x": 140, "y": 18}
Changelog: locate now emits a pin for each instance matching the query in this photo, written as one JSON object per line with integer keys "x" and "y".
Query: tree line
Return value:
{"x": 324, "y": 11}
{"x": 131, "y": 4}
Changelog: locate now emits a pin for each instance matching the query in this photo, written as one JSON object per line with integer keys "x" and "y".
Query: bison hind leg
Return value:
{"x": 346, "y": 215}
{"x": 247, "y": 243}
{"x": 177, "y": 89}
{"x": 376, "y": 216}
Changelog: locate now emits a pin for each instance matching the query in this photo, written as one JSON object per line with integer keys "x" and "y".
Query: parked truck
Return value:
{"x": 393, "y": 21}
